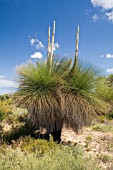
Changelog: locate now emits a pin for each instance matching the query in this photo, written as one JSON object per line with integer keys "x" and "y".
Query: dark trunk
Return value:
{"x": 57, "y": 135}
{"x": 57, "y": 130}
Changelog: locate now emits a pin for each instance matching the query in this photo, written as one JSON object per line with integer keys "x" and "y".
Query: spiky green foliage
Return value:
{"x": 88, "y": 83}
{"x": 39, "y": 91}
{"x": 52, "y": 96}
{"x": 86, "y": 94}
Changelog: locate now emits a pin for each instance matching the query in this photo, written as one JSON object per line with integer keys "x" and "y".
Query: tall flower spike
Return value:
{"x": 77, "y": 38}
{"x": 75, "y": 64}
{"x": 53, "y": 37}
{"x": 49, "y": 45}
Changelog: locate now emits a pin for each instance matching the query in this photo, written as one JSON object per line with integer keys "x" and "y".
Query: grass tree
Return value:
{"x": 56, "y": 92}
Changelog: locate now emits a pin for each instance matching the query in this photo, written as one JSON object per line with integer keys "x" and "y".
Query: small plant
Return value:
{"x": 102, "y": 119}
{"x": 88, "y": 138}
{"x": 110, "y": 116}
{"x": 97, "y": 127}
{"x": 105, "y": 158}
{"x": 103, "y": 127}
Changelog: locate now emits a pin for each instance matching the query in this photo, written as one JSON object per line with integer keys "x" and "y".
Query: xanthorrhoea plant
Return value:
{"x": 55, "y": 92}
{"x": 53, "y": 97}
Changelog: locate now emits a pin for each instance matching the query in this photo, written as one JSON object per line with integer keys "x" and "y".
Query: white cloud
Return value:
{"x": 56, "y": 46}
{"x": 5, "y": 83}
{"x": 40, "y": 45}
{"x": 110, "y": 15}
{"x": 95, "y": 17}
{"x": 106, "y": 13}
{"x": 37, "y": 55}
{"x": 32, "y": 41}
{"x": 105, "y": 4}
{"x": 109, "y": 70}
{"x": 2, "y": 77}
{"x": 107, "y": 56}
{"x": 36, "y": 43}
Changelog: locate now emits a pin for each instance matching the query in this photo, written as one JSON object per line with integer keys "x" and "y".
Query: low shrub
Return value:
{"x": 5, "y": 110}
{"x": 39, "y": 146}
{"x": 88, "y": 138}
{"x": 103, "y": 127}
{"x": 62, "y": 158}
{"x": 105, "y": 158}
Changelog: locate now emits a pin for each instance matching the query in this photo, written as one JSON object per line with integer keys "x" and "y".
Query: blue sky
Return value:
{"x": 23, "y": 33}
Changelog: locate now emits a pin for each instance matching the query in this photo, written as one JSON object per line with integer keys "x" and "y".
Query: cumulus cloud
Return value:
{"x": 105, "y": 4}
{"x": 5, "y": 83}
{"x": 36, "y": 43}
{"x": 38, "y": 55}
{"x": 56, "y": 46}
{"x": 39, "y": 45}
{"x": 110, "y": 70}
{"x": 107, "y": 56}
{"x": 106, "y": 13}
{"x": 110, "y": 15}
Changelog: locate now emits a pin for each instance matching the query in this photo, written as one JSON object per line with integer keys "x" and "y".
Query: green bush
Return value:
{"x": 5, "y": 109}
{"x": 39, "y": 146}
{"x": 4, "y": 97}
{"x": 63, "y": 158}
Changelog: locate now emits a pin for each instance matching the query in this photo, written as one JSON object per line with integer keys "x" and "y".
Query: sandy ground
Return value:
{"x": 95, "y": 143}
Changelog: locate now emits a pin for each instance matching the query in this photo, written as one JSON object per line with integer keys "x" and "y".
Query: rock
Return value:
{"x": 6, "y": 127}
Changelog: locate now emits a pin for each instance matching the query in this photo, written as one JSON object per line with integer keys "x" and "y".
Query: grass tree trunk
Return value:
{"x": 56, "y": 133}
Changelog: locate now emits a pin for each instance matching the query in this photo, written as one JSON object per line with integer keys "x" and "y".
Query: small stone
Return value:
{"x": 93, "y": 149}
{"x": 83, "y": 144}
